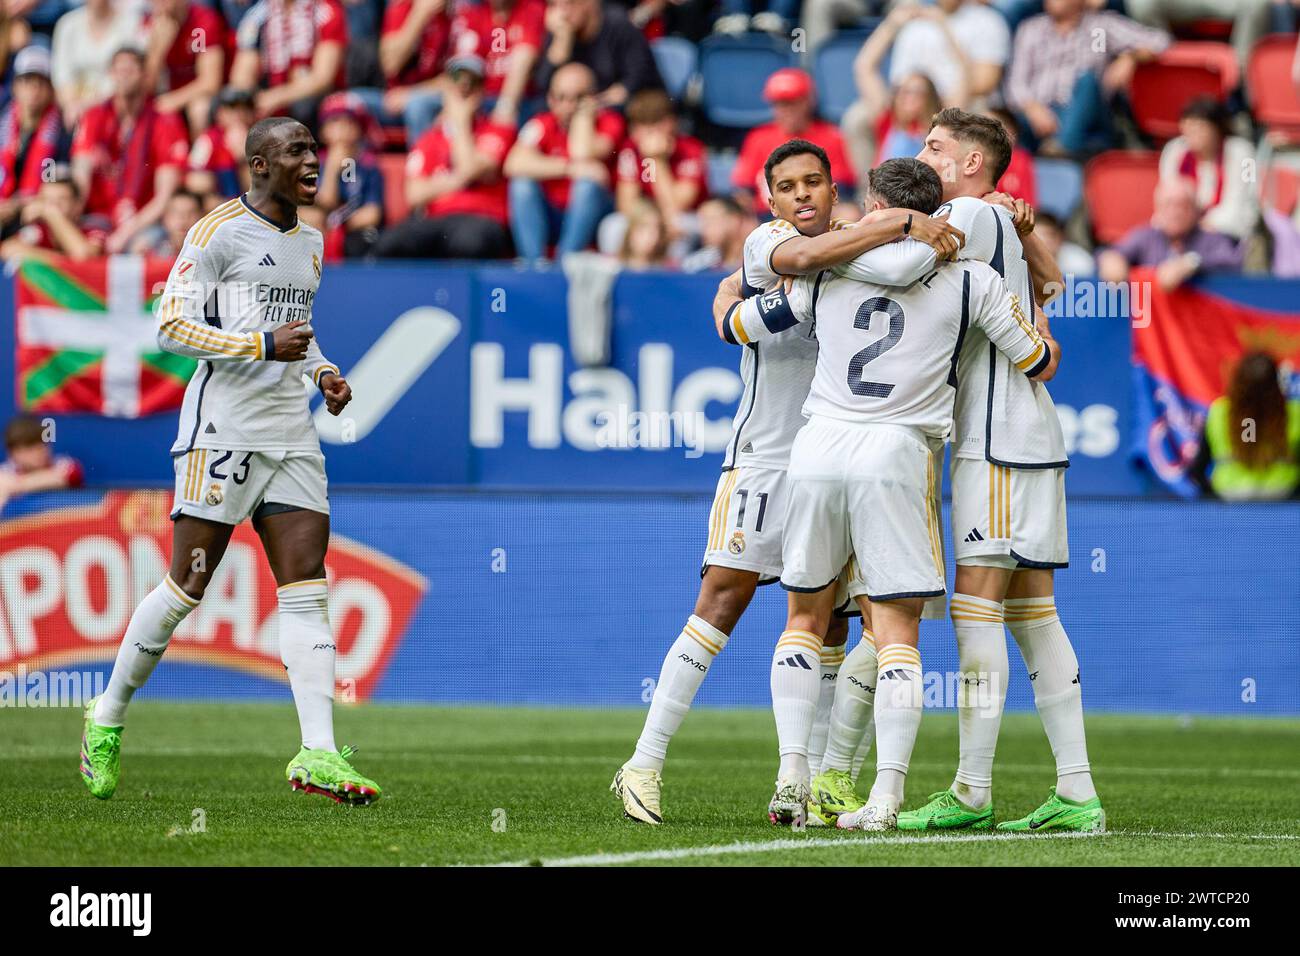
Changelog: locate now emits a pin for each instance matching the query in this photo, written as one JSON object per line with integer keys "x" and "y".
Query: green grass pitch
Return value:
{"x": 510, "y": 785}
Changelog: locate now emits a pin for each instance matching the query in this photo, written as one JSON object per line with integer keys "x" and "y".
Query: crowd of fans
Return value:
{"x": 536, "y": 128}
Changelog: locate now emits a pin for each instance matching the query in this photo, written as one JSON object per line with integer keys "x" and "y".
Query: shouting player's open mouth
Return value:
{"x": 806, "y": 213}
{"x": 308, "y": 181}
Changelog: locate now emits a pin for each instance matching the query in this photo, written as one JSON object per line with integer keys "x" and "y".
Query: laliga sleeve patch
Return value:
{"x": 185, "y": 269}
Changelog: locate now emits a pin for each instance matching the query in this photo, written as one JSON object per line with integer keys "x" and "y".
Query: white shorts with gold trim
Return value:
{"x": 228, "y": 486}
{"x": 1008, "y": 517}
{"x": 746, "y": 522}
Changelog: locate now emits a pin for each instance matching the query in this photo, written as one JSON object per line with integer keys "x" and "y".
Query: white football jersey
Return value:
{"x": 238, "y": 278}
{"x": 888, "y": 355}
{"x": 776, "y": 371}
{"x": 1000, "y": 415}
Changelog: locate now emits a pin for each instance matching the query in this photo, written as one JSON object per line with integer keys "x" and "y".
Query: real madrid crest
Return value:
{"x": 737, "y": 543}
{"x": 214, "y": 496}
{"x": 315, "y": 265}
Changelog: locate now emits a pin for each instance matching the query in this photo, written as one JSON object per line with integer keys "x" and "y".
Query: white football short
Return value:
{"x": 229, "y": 486}
{"x": 1008, "y": 517}
{"x": 746, "y": 521}
{"x": 865, "y": 490}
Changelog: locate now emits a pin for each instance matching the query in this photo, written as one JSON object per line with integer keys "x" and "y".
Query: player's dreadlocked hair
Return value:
{"x": 795, "y": 147}
{"x": 1254, "y": 395}
{"x": 259, "y": 135}
{"x": 984, "y": 132}
{"x": 905, "y": 183}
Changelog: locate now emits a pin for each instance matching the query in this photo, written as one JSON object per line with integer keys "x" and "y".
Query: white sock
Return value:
{"x": 898, "y": 717}
{"x": 850, "y": 724}
{"x": 684, "y": 669}
{"x": 1054, "y": 671}
{"x": 795, "y": 675}
{"x": 982, "y": 695}
{"x": 832, "y": 658}
{"x": 147, "y": 636}
{"x": 308, "y": 651}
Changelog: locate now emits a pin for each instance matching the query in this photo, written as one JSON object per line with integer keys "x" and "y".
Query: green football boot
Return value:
{"x": 101, "y": 749}
{"x": 329, "y": 773}
{"x": 946, "y": 812}
{"x": 1061, "y": 814}
{"x": 834, "y": 793}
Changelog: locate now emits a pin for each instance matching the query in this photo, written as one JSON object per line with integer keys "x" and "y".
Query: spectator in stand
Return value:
{"x": 822, "y": 18}
{"x": 365, "y": 21}
{"x": 724, "y": 226}
{"x": 185, "y": 58}
{"x": 127, "y": 157}
{"x": 561, "y": 168}
{"x": 508, "y": 35}
{"x": 414, "y": 46}
{"x": 216, "y": 169}
{"x": 54, "y": 222}
{"x": 645, "y": 244}
{"x": 790, "y": 92}
{"x": 961, "y": 45}
{"x": 739, "y": 16}
{"x": 885, "y": 125}
{"x": 1019, "y": 181}
{"x": 85, "y": 40}
{"x": 1219, "y": 166}
{"x": 1255, "y": 462}
{"x": 657, "y": 163}
{"x": 1073, "y": 259}
{"x": 32, "y": 465}
{"x": 183, "y": 210}
{"x": 349, "y": 207}
{"x": 605, "y": 41}
{"x": 454, "y": 182}
{"x": 294, "y": 51}
{"x": 1174, "y": 242}
{"x": 32, "y": 138}
{"x": 1250, "y": 18}
{"x": 1066, "y": 66}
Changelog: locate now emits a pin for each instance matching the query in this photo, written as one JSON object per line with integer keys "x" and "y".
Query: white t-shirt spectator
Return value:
{"x": 921, "y": 46}
{"x": 79, "y": 61}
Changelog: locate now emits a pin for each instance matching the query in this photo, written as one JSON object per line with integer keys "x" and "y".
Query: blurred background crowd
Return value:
{"x": 1150, "y": 132}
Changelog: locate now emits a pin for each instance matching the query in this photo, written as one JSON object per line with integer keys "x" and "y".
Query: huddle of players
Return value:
{"x": 918, "y": 325}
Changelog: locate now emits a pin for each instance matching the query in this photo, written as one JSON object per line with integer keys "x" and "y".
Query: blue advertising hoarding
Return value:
{"x": 465, "y": 376}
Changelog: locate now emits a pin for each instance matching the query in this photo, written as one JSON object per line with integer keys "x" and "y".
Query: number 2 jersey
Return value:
{"x": 889, "y": 355}
{"x": 239, "y": 277}
{"x": 776, "y": 371}
{"x": 1000, "y": 414}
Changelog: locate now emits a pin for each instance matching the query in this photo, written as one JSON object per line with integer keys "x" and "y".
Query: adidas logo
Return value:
{"x": 210, "y": 430}
{"x": 795, "y": 660}
{"x": 748, "y": 449}
{"x": 973, "y": 536}
{"x": 895, "y": 675}
{"x": 266, "y": 260}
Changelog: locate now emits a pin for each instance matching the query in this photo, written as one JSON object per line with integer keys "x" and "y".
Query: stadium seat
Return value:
{"x": 393, "y": 167}
{"x": 720, "y": 166}
{"x": 1060, "y": 186}
{"x": 1273, "y": 97}
{"x": 733, "y": 70}
{"x": 833, "y": 72}
{"x": 1204, "y": 29}
{"x": 1281, "y": 189}
{"x": 677, "y": 59}
{"x": 1119, "y": 188}
{"x": 1163, "y": 87}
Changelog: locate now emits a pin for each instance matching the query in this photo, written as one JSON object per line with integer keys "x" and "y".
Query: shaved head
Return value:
{"x": 266, "y": 133}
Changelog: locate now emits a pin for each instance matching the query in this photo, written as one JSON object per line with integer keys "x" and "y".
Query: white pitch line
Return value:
{"x": 772, "y": 846}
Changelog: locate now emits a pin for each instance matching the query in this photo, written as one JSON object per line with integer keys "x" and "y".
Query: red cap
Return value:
{"x": 787, "y": 84}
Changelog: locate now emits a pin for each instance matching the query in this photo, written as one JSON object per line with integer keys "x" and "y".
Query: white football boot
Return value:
{"x": 639, "y": 791}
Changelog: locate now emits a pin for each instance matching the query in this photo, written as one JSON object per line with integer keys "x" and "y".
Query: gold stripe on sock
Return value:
{"x": 703, "y": 641}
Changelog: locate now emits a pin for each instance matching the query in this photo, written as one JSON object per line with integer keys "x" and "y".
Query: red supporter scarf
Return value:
{"x": 1188, "y": 168}
{"x": 44, "y": 146}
